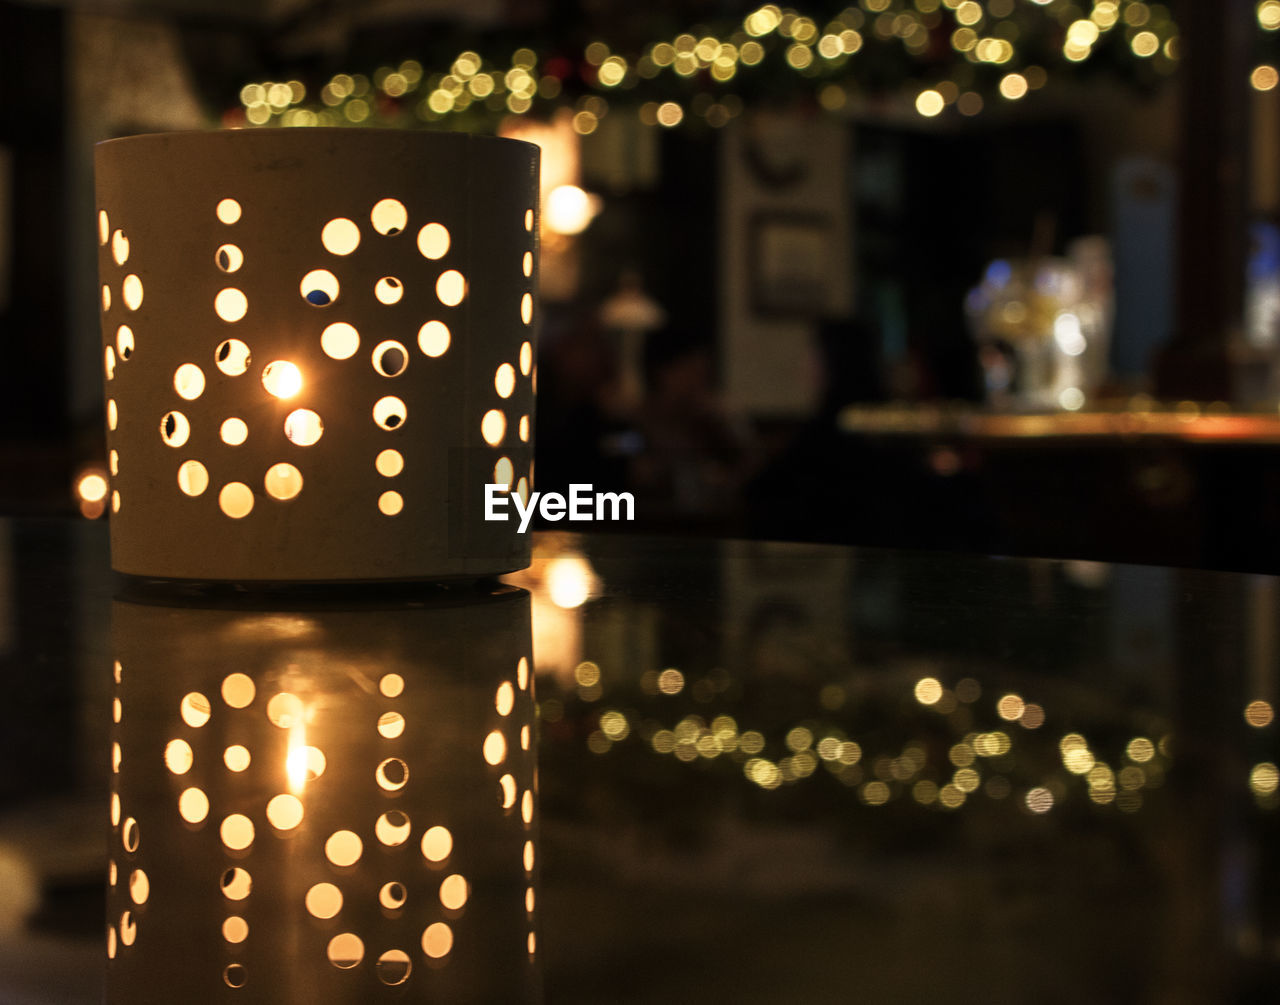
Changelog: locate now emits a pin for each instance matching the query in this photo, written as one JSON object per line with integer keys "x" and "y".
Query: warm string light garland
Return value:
{"x": 996, "y": 763}
{"x": 965, "y": 52}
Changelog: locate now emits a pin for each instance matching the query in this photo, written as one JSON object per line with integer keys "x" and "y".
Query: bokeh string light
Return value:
{"x": 1017, "y": 755}
{"x": 940, "y": 55}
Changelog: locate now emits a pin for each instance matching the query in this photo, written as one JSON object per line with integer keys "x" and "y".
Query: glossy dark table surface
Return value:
{"x": 765, "y": 773}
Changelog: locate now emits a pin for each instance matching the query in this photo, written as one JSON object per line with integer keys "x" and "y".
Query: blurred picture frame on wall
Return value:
{"x": 790, "y": 264}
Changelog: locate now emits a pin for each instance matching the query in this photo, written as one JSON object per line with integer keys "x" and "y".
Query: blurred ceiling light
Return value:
{"x": 91, "y": 492}
{"x": 570, "y": 210}
{"x": 570, "y": 579}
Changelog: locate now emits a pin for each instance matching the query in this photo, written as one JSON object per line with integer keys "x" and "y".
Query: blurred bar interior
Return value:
{"x": 800, "y": 265}
{"x": 971, "y": 276}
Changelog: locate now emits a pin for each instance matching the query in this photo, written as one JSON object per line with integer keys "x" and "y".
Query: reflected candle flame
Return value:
{"x": 295, "y": 765}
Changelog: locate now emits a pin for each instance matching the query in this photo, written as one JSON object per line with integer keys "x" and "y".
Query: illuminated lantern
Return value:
{"x": 317, "y": 350}
{"x": 328, "y": 803}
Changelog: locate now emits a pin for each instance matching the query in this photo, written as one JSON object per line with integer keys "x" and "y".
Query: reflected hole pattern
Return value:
{"x": 393, "y": 967}
{"x": 392, "y": 828}
{"x": 346, "y": 950}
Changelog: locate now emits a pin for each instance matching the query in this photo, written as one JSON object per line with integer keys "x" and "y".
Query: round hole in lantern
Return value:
{"x": 433, "y": 338}
{"x": 232, "y": 357}
{"x": 303, "y": 427}
{"x": 527, "y": 265}
{"x": 104, "y": 226}
{"x": 340, "y": 340}
{"x": 391, "y": 685}
{"x": 526, "y": 358}
{"x": 390, "y": 412}
{"x": 390, "y": 503}
{"x": 390, "y": 358}
{"x": 493, "y": 427}
{"x": 228, "y": 211}
{"x": 504, "y": 380}
{"x": 234, "y": 975}
{"x": 282, "y": 481}
{"x": 507, "y": 788}
{"x": 526, "y": 308}
{"x": 282, "y": 378}
{"x": 451, "y": 288}
{"x": 389, "y": 463}
{"x": 388, "y": 290}
{"x": 433, "y": 241}
{"x": 228, "y": 258}
{"x": 188, "y": 381}
{"x": 131, "y": 290}
{"x": 233, "y": 432}
{"x": 389, "y": 217}
{"x": 175, "y": 429}
{"x": 503, "y": 472}
{"x": 109, "y": 362}
{"x": 129, "y": 837}
{"x": 340, "y": 236}
{"x": 106, "y": 298}
{"x": 128, "y": 928}
{"x": 236, "y": 500}
{"x": 319, "y": 287}
{"x": 124, "y": 341}
{"x": 193, "y": 478}
{"x": 231, "y": 305}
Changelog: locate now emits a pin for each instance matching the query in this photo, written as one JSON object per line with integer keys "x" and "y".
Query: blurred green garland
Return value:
{"x": 945, "y": 56}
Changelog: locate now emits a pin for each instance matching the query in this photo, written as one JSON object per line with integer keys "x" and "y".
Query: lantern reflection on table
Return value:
{"x": 333, "y": 801}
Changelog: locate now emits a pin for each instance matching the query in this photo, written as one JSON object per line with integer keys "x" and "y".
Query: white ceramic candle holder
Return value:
{"x": 324, "y": 804}
{"x": 318, "y": 348}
